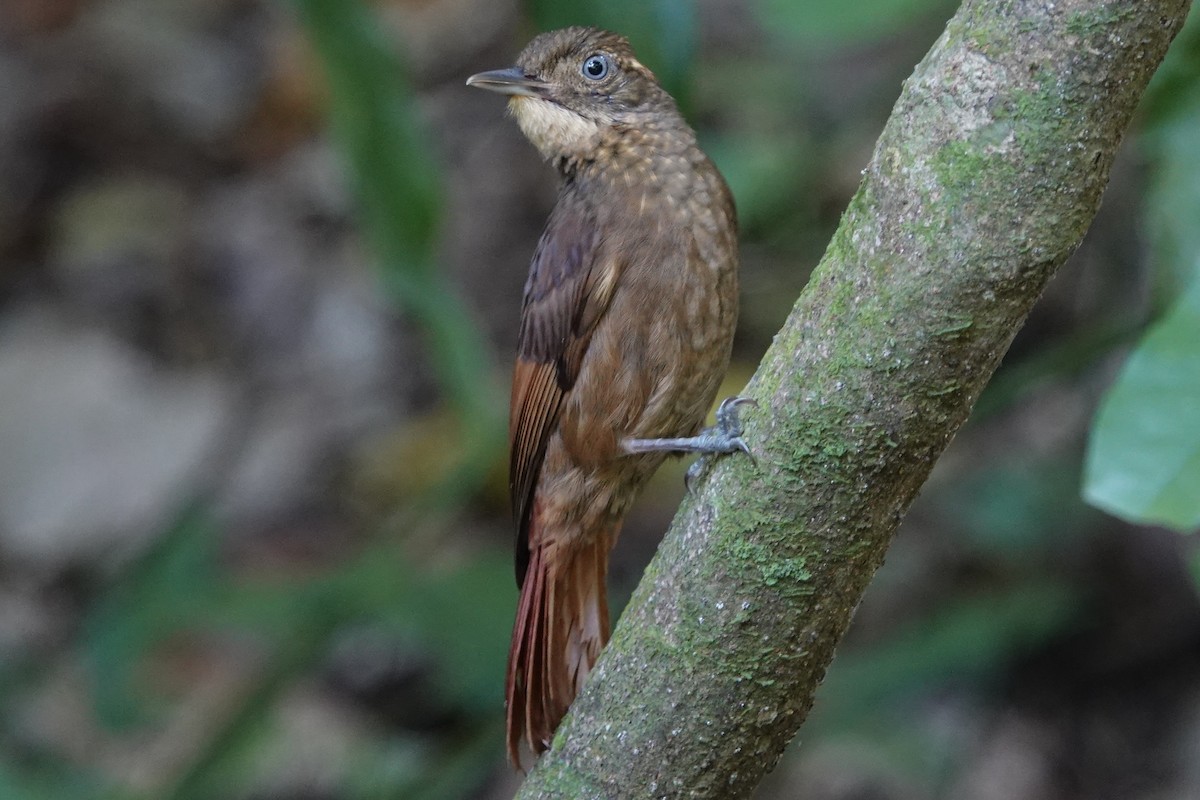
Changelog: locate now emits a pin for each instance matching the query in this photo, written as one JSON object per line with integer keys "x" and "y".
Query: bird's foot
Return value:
{"x": 724, "y": 437}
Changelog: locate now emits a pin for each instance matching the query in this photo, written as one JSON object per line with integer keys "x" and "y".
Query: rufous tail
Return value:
{"x": 562, "y": 624}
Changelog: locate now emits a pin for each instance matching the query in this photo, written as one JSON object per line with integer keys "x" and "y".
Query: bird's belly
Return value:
{"x": 656, "y": 374}
{"x": 650, "y": 381}
{"x": 651, "y": 370}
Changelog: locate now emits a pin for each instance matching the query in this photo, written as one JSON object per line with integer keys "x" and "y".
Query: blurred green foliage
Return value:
{"x": 1143, "y": 462}
{"x": 172, "y": 586}
{"x": 968, "y": 642}
{"x": 1011, "y": 515}
{"x": 823, "y": 25}
{"x": 459, "y": 614}
{"x": 399, "y": 200}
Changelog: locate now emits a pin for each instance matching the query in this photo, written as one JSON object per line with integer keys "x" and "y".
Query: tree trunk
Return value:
{"x": 983, "y": 182}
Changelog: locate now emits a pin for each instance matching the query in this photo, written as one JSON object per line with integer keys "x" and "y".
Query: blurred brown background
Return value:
{"x": 254, "y": 540}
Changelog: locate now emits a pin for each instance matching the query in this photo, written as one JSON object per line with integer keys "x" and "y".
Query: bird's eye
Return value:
{"x": 595, "y": 67}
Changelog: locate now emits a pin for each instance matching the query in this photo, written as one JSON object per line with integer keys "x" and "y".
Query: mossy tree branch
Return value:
{"x": 983, "y": 182}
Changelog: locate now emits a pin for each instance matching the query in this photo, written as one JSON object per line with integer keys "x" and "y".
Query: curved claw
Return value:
{"x": 728, "y": 420}
{"x": 740, "y": 444}
{"x": 724, "y": 437}
{"x": 735, "y": 401}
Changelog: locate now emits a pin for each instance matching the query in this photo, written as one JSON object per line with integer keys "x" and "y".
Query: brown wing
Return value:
{"x": 568, "y": 290}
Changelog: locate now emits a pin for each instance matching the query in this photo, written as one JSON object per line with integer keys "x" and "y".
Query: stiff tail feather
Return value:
{"x": 561, "y": 626}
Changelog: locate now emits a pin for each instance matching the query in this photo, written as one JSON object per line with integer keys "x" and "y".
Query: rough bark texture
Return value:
{"x": 982, "y": 184}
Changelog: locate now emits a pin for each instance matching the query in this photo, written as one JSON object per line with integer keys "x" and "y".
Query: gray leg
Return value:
{"x": 724, "y": 437}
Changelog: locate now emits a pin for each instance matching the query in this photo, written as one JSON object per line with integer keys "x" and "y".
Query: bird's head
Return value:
{"x": 572, "y": 88}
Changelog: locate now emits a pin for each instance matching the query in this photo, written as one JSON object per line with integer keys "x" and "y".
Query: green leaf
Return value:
{"x": 1143, "y": 460}
{"x": 1144, "y": 455}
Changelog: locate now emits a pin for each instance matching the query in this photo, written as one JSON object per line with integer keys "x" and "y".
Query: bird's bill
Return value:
{"x": 510, "y": 81}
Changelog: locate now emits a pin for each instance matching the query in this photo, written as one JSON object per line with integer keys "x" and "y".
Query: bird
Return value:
{"x": 627, "y": 322}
